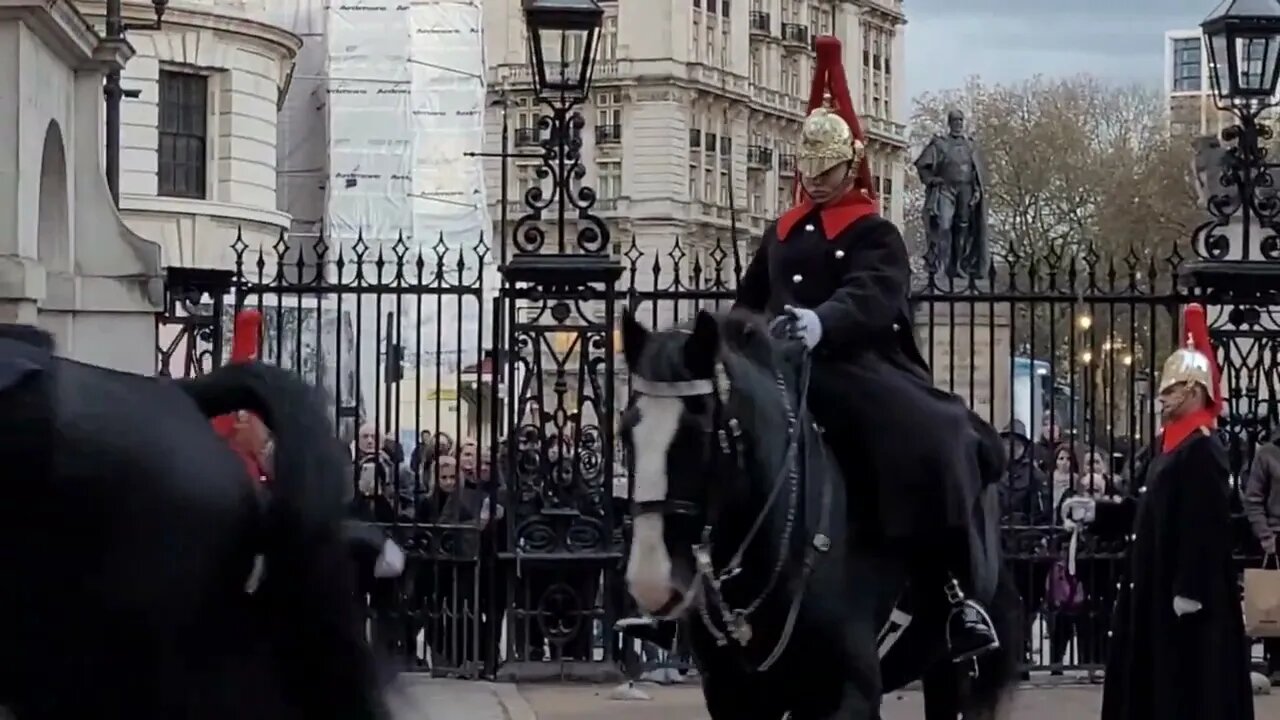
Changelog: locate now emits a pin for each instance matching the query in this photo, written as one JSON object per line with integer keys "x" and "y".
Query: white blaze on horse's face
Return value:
{"x": 649, "y": 566}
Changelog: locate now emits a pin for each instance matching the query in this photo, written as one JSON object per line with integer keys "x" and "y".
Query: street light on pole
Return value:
{"x": 1243, "y": 42}
{"x": 1236, "y": 269}
{"x": 562, "y": 46}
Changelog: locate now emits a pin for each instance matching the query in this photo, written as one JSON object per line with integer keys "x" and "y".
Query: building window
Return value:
{"x": 757, "y": 67}
{"x": 696, "y": 40}
{"x": 725, "y": 189}
{"x": 609, "y": 40}
{"x": 608, "y": 117}
{"x": 1186, "y": 65}
{"x": 724, "y": 9}
{"x": 609, "y": 182}
{"x": 725, "y": 44}
{"x": 693, "y": 182}
{"x": 183, "y": 127}
{"x": 708, "y": 185}
{"x": 711, "y": 43}
{"x": 526, "y": 179}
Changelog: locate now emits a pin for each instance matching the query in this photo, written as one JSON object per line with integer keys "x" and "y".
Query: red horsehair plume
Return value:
{"x": 1196, "y": 326}
{"x": 830, "y": 88}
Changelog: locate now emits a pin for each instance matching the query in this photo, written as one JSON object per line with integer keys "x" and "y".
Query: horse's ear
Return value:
{"x": 703, "y": 346}
{"x": 634, "y": 337}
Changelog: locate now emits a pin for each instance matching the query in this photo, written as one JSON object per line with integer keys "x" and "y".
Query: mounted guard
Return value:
{"x": 243, "y": 430}
{"x": 917, "y": 461}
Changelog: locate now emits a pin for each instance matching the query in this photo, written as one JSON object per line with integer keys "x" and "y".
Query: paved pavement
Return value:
{"x": 470, "y": 700}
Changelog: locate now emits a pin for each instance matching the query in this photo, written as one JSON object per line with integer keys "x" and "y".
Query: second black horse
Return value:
{"x": 744, "y": 530}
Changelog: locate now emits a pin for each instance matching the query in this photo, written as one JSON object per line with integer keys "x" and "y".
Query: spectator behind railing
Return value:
{"x": 1024, "y": 493}
{"x": 1066, "y": 468}
{"x": 384, "y": 489}
{"x": 1262, "y": 506}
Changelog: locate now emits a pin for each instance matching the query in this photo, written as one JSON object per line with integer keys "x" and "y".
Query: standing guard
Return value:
{"x": 916, "y": 459}
{"x": 1178, "y": 645}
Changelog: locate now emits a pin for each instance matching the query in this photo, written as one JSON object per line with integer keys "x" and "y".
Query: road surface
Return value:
{"x": 470, "y": 700}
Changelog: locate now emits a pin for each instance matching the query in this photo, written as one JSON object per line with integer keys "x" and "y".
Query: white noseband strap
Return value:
{"x": 687, "y": 388}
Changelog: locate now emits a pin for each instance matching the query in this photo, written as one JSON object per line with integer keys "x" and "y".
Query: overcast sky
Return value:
{"x": 1007, "y": 40}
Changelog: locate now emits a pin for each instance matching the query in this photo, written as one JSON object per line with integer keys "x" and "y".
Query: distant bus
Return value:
{"x": 1034, "y": 394}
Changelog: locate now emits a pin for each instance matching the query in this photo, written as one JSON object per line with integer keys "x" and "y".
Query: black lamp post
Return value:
{"x": 562, "y": 49}
{"x": 116, "y": 29}
{"x": 1236, "y": 271}
{"x": 1243, "y": 41}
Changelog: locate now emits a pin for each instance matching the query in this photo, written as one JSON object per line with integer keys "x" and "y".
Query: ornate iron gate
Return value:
{"x": 406, "y": 337}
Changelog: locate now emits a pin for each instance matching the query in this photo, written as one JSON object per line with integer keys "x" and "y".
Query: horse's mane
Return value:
{"x": 753, "y": 359}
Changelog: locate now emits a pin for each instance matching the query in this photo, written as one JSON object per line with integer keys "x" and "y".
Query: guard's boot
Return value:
{"x": 970, "y": 632}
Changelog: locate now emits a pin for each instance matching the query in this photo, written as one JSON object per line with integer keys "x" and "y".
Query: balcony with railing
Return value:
{"x": 761, "y": 23}
{"x": 527, "y": 137}
{"x": 608, "y": 134}
{"x": 759, "y": 157}
{"x": 795, "y": 36}
{"x": 786, "y": 164}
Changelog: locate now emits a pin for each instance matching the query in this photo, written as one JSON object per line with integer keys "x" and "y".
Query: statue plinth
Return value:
{"x": 970, "y": 348}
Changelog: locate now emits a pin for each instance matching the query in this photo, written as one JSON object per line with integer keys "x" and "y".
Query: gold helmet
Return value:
{"x": 1194, "y": 363}
{"x": 1186, "y": 365}
{"x": 825, "y": 142}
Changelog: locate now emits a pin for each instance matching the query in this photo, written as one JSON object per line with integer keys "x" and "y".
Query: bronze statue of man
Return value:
{"x": 955, "y": 211}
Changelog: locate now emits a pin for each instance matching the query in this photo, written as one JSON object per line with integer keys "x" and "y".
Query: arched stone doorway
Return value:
{"x": 53, "y": 227}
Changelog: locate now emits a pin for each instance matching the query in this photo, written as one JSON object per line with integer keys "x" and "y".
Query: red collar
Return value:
{"x": 836, "y": 216}
{"x": 1186, "y": 426}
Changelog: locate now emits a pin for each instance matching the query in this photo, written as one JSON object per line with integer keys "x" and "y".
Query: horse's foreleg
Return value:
{"x": 855, "y": 704}
{"x": 941, "y": 690}
{"x": 732, "y": 698}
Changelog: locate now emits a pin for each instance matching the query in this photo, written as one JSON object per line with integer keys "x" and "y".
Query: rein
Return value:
{"x": 708, "y": 579}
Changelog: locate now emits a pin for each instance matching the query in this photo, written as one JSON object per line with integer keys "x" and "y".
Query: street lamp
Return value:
{"x": 562, "y": 44}
{"x": 116, "y": 28}
{"x": 562, "y": 48}
{"x": 1243, "y": 42}
{"x": 1243, "y": 37}
{"x": 1237, "y": 248}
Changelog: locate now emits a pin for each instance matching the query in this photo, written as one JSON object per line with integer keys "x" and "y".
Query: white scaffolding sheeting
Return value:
{"x": 406, "y": 98}
{"x": 301, "y": 141}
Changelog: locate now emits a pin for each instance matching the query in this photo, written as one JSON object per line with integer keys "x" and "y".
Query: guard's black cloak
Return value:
{"x": 918, "y": 458}
{"x": 1193, "y": 667}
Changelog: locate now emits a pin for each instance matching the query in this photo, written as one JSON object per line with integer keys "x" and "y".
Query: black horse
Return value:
{"x": 145, "y": 575}
{"x": 743, "y": 529}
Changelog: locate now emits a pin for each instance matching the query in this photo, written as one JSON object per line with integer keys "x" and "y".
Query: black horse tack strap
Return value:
{"x": 682, "y": 389}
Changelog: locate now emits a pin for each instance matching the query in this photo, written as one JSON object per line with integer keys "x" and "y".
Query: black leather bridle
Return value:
{"x": 725, "y": 446}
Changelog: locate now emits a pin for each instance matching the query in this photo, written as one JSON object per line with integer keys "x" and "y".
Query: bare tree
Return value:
{"x": 1089, "y": 203}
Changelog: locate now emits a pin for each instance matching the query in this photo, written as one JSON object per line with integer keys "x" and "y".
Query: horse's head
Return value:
{"x": 687, "y": 447}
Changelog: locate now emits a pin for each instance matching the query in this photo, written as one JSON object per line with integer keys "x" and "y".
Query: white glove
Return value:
{"x": 390, "y": 561}
{"x": 808, "y": 327}
{"x": 1185, "y": 606}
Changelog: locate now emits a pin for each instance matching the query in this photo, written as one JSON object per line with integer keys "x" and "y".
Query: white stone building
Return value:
{"x": 198, "y": 145}
{"x": 696, "y": 107}
{"x": 67, "y": 262}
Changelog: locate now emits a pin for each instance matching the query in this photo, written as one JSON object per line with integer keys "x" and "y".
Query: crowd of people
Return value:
{"x": 448, "y": 601}
{"x": 1073, "y": 591}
